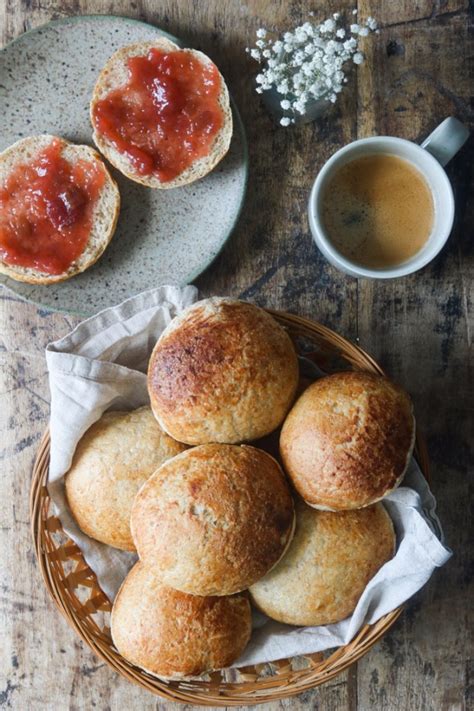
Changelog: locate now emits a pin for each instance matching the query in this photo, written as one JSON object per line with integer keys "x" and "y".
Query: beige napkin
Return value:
{"x": 101, "y": 365}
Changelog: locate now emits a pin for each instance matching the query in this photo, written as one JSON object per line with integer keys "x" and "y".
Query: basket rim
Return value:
{"x": 264, "y": 690}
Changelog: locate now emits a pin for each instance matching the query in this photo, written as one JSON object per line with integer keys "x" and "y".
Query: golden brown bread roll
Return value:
{"x": 172, "y": 634}
{"x": 223, "y": 371}
{"x": 348, "y": 439}
{"x": 331, "y": 559}
{"x": 214, "y": 519}
{"x": 113, "y": 459}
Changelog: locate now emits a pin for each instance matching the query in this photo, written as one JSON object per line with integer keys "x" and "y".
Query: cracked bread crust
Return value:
{"x": 214, "y": 519}
{"x": 331, "y": 559}
{"x": 348, "y": 440}
{"x": 222, "y": 371}
{"x": 174, "y": 635}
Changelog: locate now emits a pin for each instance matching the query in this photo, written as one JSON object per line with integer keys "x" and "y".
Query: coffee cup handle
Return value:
{"x": 446, "y": 140}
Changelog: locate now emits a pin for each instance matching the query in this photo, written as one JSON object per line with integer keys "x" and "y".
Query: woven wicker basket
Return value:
{"x": 75, "y": 590}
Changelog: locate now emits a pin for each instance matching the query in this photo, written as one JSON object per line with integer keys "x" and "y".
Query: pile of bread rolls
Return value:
{"x": 218, "y": 524}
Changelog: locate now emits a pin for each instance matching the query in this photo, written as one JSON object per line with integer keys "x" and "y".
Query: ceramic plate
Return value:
{"x": 163, "y": 236}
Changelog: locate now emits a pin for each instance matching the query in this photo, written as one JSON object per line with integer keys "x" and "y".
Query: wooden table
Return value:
{"x": 419, "y": 70}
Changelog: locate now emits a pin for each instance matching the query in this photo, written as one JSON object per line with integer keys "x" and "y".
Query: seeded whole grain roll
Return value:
{"x": 214, "y": 519}
{"x": 347, "y": 441}
{"x": 222, "y": 371}
{"x": 329, "y": 562}
{"x": 174, "y": 635}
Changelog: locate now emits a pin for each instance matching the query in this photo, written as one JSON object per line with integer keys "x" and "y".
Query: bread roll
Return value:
{"x": 104, "y": 217}
{"x": 214, "y": 519}
{"x": 111, "y": 462}
{"x": 222, "y": 371}
{"x": 171, "y": 634}
{"x": 331, "y": 559}
{"x": 347, "y": 441}
{"x": 115, "y": 74}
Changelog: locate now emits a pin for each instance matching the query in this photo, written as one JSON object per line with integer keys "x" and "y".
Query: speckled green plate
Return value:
{"x": 163, "y": 236}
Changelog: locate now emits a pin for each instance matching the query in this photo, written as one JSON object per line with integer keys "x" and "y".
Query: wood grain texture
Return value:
{"x": 419, "y": 70}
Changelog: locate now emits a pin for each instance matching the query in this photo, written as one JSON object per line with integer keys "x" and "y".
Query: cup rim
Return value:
{"x": 352, "y": 268}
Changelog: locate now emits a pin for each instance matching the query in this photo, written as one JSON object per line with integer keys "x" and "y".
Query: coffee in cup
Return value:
{"x": 378, "y": 210}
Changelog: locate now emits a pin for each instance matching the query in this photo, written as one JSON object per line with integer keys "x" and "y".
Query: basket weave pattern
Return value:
{"x": 76, "y": 592}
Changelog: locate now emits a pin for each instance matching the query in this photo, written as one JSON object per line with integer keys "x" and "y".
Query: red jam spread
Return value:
{"x": 166, "y": 115}
{"x": 46, "y": 210}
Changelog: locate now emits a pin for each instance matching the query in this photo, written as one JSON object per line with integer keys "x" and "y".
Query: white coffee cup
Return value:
{"x": 429, "y": 159}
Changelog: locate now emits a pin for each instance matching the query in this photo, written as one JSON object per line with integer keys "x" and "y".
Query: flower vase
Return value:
{"x": 315, "y": 108}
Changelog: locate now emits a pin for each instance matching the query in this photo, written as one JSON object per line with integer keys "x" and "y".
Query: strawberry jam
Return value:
{"x": 166, "y": 115}
{"x": 46, "y": 210}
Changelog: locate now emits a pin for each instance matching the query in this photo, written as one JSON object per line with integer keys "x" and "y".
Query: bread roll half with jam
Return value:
{"x": 161, "y": 114}
{"x": 58, "y": 209}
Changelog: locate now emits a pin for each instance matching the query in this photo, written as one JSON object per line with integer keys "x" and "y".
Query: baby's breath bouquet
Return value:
{"x": 307, "y": 65}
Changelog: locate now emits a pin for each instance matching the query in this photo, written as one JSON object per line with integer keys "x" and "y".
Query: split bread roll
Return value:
{"x": 348, "y": 440}
{"x": 174, "y": 635}
{"x": 115, "y": 74}
{"x": 222, "y": 371}
{"x": 113, "y": 459}
{"x": 331, "y": 559}
{"x": 214, "y": 519}
{"x": 104, "y": 216}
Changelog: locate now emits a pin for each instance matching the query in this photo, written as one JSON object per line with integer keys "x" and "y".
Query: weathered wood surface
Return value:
{"x": 419, "y": 71}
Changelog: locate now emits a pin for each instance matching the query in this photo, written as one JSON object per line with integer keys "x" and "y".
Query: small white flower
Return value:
{"x": 350, "y": 44}
{"x": 272, "y": 63}
{"x": 358, "y": 58}
{"x": 266, "y": 53}
{"x": 341, "y": 33}
{"x": 288, "y": 47}
{"x": 288, "y": 37}
{"x": 299, "y": 106}
{"x": 261, "y": 33}
{"x": 260, "y": 44}
{"x": 283, "y": 87}
{"x": 329, "y": 25}
{"x": 333, "y": 98}
{"x": 354, "y": 12}
{"x": 285, "y": 121}
{"x": 336, "y": 15}
{"x": 298, "y": 58}
{"x": 371, "y": 23}
{"x": 363, "y": 32}
{"x": 260, "y": 79}
{"x": 285, "y": 104}
{"x": 301, "y": 36}
{"x": 255, "y": 54}
{"x": 259, "y": 90}
{"x": 278, "y": 46}
{"x": 355, "y": 28}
